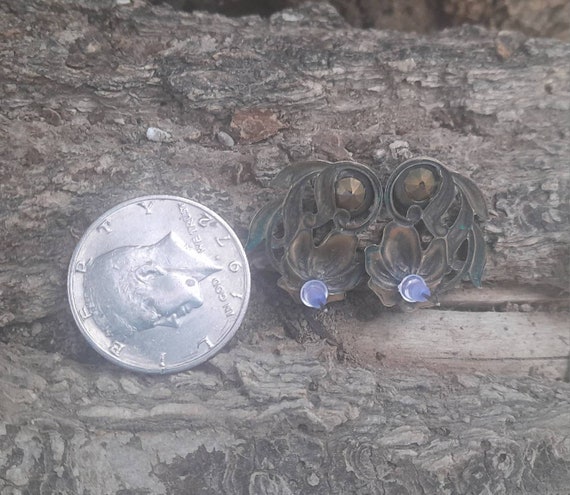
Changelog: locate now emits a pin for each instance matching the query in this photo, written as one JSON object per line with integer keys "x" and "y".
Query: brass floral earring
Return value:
{"x": 310, "y": 231}
{"x": 433, "y": 241}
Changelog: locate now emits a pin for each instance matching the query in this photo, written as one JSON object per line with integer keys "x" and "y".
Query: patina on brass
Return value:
{"x": 430, "y": 242}
{"x": 316, "y": 238}
{"x": 433, "y": 233}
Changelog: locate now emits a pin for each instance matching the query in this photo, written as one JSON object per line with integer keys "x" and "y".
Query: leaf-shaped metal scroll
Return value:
{"x": 464, "y": 227}
{"x": 478, "y": 258}
{"x": 401, "y": 250}
{"x": 434, "y": 211}
{"x": 258, "y": 228}
{"x": 294, "y": 216}
{"x": 434, "y": 263}
{"x": 474, "y": 265}
{"x": 334, "y": 261}
{"x": 460, "y": 229}
{"x": 400, "y": 256}
{"x": 473, "y": 195}
{"x": 296, "y": 172}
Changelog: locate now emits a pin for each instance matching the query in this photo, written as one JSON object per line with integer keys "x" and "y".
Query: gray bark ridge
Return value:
{"x": 254, "y": 421}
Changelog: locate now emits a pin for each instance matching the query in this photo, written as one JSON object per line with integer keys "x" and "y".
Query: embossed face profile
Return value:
{"x": 134, "y": 288}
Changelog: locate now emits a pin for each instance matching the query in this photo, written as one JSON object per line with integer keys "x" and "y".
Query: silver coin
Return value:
{"x": 159, "y": 284}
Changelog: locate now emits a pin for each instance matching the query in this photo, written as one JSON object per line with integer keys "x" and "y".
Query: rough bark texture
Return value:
{"x": 293, "y": 406}
{"x": 258, "y": 422}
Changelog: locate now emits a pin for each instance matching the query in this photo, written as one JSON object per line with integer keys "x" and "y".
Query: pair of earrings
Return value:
{"x": 317, "y": 233}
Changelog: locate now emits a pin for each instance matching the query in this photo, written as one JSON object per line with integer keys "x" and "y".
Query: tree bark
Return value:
{"x": 343, "y": 401}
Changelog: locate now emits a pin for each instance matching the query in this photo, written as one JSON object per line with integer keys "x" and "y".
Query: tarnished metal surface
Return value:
{"x": 433, "y": 234}
{"x": 429, "y": 237}
{"x": 310, "y": 232}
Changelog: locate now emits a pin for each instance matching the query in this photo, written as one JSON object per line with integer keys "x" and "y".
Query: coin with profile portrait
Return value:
{"x": 159, "y": 284}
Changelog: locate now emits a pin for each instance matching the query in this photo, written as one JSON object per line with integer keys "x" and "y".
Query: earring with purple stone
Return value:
{"x": 310, "y": 232}
{"x": 433, "y": 241}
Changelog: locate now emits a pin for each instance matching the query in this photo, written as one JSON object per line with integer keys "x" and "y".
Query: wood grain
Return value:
{"x": 536, "y": 344}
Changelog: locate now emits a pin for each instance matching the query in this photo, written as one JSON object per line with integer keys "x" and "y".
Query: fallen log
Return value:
{"x": 360, "y": 400}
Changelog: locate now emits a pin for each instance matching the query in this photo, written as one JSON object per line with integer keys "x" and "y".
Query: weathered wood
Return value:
{"x": 76, "y": 113}
{"x": 82, "y": 82}
{"x": 276, "y": 419}
{"x": 500, "y": 298}
{"x": 497, "y": 343}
